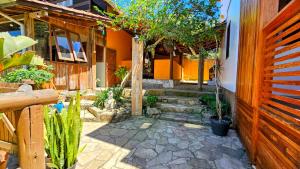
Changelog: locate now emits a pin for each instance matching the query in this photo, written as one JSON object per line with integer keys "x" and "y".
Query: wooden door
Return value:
{"x": 110, "y": 67}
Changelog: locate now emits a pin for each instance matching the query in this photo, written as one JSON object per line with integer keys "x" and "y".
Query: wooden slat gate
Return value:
{"x": 275, "y": 135}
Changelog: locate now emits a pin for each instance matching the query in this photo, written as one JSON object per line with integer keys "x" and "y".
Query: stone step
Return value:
{"x": 176, "y": 92}
{"x": 191, "y": 101}
{"x": 184, "y": 118}
{"x": 178, "y": 108}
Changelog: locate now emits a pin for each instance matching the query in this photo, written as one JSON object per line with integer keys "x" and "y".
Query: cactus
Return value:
{"x": 62, "y": 134}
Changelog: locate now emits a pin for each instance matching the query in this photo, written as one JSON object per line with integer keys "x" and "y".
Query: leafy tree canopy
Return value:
{"x": 188, "y": 22}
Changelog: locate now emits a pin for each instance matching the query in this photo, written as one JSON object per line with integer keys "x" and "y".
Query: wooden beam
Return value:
{"x": 16, "y": 17}
{"x": 137, "y": 77}
{"x": 9, "y": 147}
{"x": 17, "y": 100}
{"x": 8, "y": 124}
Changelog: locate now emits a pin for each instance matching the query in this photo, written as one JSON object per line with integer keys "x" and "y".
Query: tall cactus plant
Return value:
{"x": 62, "y": 134}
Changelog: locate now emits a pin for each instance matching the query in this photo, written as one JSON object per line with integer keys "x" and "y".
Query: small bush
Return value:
{"x": 121, "y": 72}
{"x": 39, "y": 76}
{"x": 151, "y": 100}
{"x": 210, "y": 101}
{"x": 103, "y": 96}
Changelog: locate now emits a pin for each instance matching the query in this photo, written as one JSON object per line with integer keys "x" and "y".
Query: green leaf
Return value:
{"x": 10, "y": 45}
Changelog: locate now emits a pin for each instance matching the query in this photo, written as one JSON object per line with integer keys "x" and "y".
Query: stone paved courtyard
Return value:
{"x": 157, "y": 144}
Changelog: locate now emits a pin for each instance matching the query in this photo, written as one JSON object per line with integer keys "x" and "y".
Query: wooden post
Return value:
{"x": 29, "y": 27}
{"x": 171, "y": 65}
{"x": 200, "y": 72}
{"x": 137, "y": 77}
{"x": 94, "y": 61}
{"x": 105, "y": 67}
{"x": 31, "y": 138}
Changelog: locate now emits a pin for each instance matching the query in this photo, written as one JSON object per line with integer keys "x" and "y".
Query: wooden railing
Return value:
{"x": 276, "y": 141}
{"x": 21, "y": 125}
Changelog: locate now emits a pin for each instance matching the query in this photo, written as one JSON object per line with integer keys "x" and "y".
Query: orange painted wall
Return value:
{"x": 121, "y": 42}
{"x": 189, "y": 69}
{"x": 162, "y": 69}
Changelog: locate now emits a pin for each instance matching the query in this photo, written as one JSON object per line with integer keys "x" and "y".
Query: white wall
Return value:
{"x": 229, "y": 71}
{"x": 100, "y": 72}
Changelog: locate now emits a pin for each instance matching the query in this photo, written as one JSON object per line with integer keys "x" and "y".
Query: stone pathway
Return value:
{"x": 157, "y": 144}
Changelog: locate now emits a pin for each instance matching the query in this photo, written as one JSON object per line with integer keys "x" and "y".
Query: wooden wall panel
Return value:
{"x": 268, "y": 102}
{"x": 248, "y": 40}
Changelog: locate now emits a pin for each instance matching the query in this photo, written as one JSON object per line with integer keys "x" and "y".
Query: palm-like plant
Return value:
{"x": 10, "y": 55}
{"x": 62, "y": 134}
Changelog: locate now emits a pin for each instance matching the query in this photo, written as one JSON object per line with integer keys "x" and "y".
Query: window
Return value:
{"x": 228, "y": 40}
{"x": 63, "y": 47}
{"x": 77, "y": 46}
{"x": 67, "y": 46}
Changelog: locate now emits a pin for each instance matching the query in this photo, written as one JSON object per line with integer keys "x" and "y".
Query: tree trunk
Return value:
{"x": 200, "y": 71}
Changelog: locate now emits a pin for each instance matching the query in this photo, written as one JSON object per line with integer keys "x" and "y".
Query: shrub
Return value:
{"x": 117, "y": 93}
{"x": 121, "y": 72}
{"x": 62, "y": 134}
{"x": 103, "y": 96}
{"x": 210, "y": 101}
{"x": 39, "y": 76}
{"x": 151, "y": 100}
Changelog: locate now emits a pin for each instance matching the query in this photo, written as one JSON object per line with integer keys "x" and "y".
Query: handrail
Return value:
{"x": 19, "y": 100}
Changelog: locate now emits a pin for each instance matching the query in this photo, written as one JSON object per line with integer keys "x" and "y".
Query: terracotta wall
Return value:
{"x": 162, "y": 69}
{"x": 121, "y": 42}
{"x": 189, "y": 69}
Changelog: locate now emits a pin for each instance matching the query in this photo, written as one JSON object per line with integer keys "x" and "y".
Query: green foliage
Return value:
{"x": 210, "y": 101}
{"x": 151, "y": 100}
{"x": 39, "y": 76}
{"x": 62, "y": 134}
{"x": 104, "y": 95}
{"x": 189, "y": 22}
{"x": 121, "y": 72}
{"x": 101, "y": 98}
{"x": 9, "y": 48}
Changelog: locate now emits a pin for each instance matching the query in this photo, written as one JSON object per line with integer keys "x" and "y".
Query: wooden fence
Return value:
{"x": 21, "y": 125}
{"x": 270, "y": 129}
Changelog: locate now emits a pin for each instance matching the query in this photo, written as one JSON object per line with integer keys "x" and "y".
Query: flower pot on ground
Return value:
{"x": 220, "y": 127}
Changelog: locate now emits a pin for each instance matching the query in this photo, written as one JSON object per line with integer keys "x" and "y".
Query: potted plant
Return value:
{"x": 219, "y": 124}
{"x": 62, "y": 134}
{"x": 10, "y": 56}
{"x": 38, "y": 78}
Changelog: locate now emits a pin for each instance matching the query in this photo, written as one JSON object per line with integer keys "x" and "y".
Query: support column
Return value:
{"x": 171, "y": 65}
{"x": 94, "y": 61}
{"x": 29, "y": 27}
{"x": 137, "y": 77}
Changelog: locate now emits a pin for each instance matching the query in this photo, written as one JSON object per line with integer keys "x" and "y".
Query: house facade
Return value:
{"x": 70, "y": 40}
